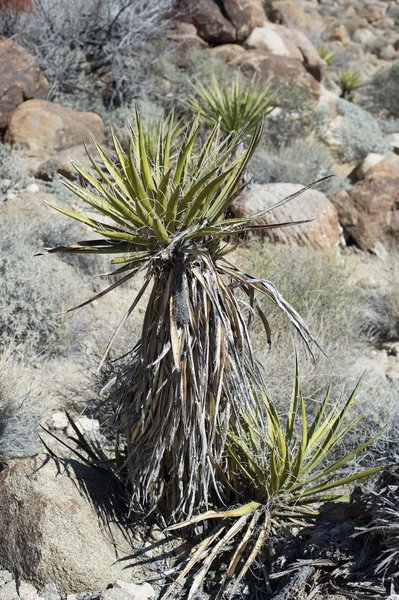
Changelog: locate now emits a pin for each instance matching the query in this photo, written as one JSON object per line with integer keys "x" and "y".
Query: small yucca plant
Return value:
{"x": 280, "y": 472}
{"x": 158, "y": 205}
{"x": 349, "y": 80}
{"x": 238, "y": 106}
{"x": 327, "y": 55}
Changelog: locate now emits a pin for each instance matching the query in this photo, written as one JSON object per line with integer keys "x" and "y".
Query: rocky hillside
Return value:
{"x": 68, "y": 70}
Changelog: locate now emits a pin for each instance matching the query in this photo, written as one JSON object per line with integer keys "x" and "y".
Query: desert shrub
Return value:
{"x": 18, "y": 423}
{"x": 358, "y": 133}
{"x": 34, "y": 294}
{"x": 381, "y": 314}
{"x": 349, "y": 80}
{"x": 383, "y": 92}
{"x": 321, "y": 287}
{"x": 301, "y": 161}
{"x": 91, "y": 48}
{"x": 12, "y": 175}
{"x": 294, "y": 117}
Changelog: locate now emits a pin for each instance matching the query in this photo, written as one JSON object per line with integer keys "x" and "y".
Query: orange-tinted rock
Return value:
{"x": 245, "y": 16}
{"x": 369, "y": 211}
{"x": 16, "y": 5}
{"x": 209, "y": 20}
{"x": 291, "y": 43}
{"x": 322, "y": 231}
{"x": 231, "y": 54}
{"x": 283, "y": 73}
{"x": 45, "y": 128}
{"x": 20, "y": 78}
{"x": 186, "y": 36}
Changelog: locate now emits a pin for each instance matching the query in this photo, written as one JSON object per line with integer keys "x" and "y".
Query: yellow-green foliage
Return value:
{"x": 326, "y": 55}
{"x": 349, "y": 80}
{"x": 280, "y": 470}
{"x": 239, "y": 105}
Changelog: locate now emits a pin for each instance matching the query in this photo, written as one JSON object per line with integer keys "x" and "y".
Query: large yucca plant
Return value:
{"x": 239, "y": 106}
{"x": 158, "y": 203}
{"x": 281, "y": 470}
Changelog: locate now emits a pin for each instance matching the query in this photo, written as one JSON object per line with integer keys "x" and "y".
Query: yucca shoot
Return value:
{"x": 238, "y": 106}
{"x": 281, "y": 470}
{"x": 160, "y": 200}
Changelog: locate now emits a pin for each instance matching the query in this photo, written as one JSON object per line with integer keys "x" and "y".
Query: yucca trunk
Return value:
{"x": 189, "y": 372}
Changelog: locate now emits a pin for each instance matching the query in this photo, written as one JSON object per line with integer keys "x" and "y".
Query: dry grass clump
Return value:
{"x": 381, "y": 319}
{"x": 89, "y": 45}
{"x": 320, "y": 286}
{"x": 35, "y": 294}
{"x": 296, "y": 162}
{"x": 18, "y": 414}
{"x": 11, "y": 174}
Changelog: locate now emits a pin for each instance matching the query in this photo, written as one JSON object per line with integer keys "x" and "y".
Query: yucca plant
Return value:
{"x": 281, "y": 470}
{"x": 239, "y": 106}
{"x": 349, "y": 80}
{"x": 327, "y": 55}
{"x": 160, "y": 210}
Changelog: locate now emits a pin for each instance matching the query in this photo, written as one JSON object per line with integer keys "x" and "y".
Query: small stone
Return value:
{"x": 5, "y": 577}
{"x": 9, "y": 591}
{"x": 372, "y": 159}
{"x": 379, "y": 250}
{"x": 86, "y": 425}
{"x": 58, "y": 420}
{"x": 393, "y": 140}
{"x": 363, "y": 36}
{"x": 32, "y": 188}
{"x": 11, "y": 195}
{"x": 143, "y": 591}
{"x": 49, "y": 592}
{"x": 28, "y": 592}
{"x": 116, "y": 594}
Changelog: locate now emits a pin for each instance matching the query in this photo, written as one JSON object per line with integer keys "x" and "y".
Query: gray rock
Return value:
{"x": 322, "y": 230}
{"x": 28, "y": 592}
{"x": 5, "y": 577}
{"x": 52, "y": 530}
{"x": 143, "y": 591}
{"x": 8, "y": 591}
{"x": 115, "y": 594}
{"x": 49, "y": 592}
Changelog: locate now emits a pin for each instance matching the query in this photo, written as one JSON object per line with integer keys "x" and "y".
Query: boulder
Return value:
{"x": 322, "y": 231}
{"x": 369, "y": 211}
{"x": 61, "y": 163}
{"x": 212, "y": 25}
{"x": 16, "y": 5}
{"x": 222, "y": 21}
{"x": 372, "y": 159}
{"x": 232, "y": 54}
{"x": 45, "y": 128}
{"x": 185, "y": 35}
{"x": 284, "y": 74}
{"x": 245, "y": 15}
{"x": 291, "y": 43}
{"x": 20, "y": 78}
{"x": 60, "y": 523}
